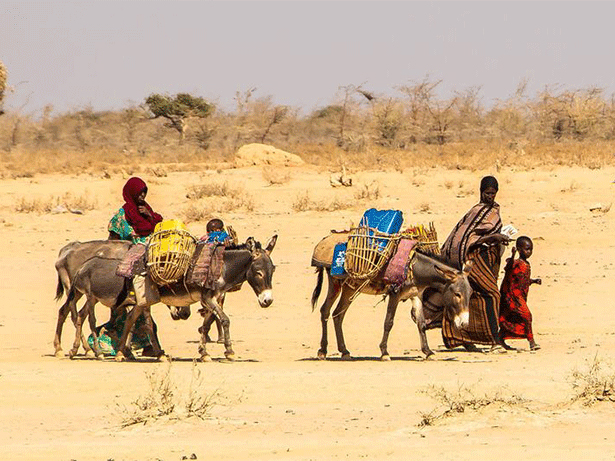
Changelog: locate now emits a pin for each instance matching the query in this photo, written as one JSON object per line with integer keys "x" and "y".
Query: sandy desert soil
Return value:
{"x": 276, "y": 401}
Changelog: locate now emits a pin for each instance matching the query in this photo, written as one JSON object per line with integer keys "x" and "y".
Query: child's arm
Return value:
{"x": 511, "y": 260}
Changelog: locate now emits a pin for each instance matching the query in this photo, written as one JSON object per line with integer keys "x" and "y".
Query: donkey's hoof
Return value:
{"x": 59, "y": 354}
{"x": 229, "y": 356}
{"x": 322, "y": 355}
{"x": 119, "y": 357}
{"x": 72, "y": 353}
{"x": 90, "y": 353}
{"x": 165, "y": 358}
{"x": 346, "y": 357}
{"x": 385, "y": 358}
{"x": 206, "y": 358}
{"x": 219, "y": 341}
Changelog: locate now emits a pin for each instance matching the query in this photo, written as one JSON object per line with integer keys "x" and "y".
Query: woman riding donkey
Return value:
{"x": 477, "y": 238}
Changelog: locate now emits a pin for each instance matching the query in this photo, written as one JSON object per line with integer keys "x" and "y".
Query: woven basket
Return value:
{"x": 169, "y": 252}
{"x": 426, "y": 237}
{"x": 367, "y": 252}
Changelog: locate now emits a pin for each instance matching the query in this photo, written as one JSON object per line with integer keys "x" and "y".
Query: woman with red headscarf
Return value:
{"x": 136, "y": 220}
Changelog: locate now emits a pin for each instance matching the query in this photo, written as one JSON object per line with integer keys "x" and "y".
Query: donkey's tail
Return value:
{"x": 59, "y": 289}
{"x": 318, "y": 288}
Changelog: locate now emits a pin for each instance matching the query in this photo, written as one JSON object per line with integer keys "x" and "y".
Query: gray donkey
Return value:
{"x": 97, "y": 280}
{"x": 70, "y": 258}
{"x": 426, "y": 272}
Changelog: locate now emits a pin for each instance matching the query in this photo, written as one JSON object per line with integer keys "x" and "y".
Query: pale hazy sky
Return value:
{"x": 109, "y": 53}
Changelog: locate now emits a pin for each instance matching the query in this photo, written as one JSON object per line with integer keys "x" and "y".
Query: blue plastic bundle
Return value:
{"x": 339, "y": 257}
{"x": 385, "y": 221}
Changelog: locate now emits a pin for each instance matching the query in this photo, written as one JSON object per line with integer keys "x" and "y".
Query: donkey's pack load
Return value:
{"x": 169, "y": 251}
{"x": 374, "y": 242}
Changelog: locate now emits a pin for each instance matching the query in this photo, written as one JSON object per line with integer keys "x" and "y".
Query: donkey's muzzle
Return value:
{"x": 265, "y": 298}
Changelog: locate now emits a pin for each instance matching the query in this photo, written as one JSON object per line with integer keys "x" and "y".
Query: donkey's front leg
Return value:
{"x": 123, "y": 348}
{"x": 388, "y": 324}
{"x": 419, "y": 317}
{"x": 210, "y": 303}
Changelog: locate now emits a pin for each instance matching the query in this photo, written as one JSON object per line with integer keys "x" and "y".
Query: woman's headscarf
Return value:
{"x": 142, "y": 225}
{"x": 487, "y": 182}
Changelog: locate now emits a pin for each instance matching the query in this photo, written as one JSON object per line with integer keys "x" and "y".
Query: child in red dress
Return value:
{"x": 515, "y": 316}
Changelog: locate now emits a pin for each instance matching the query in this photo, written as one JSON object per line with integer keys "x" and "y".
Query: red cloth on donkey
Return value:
{"x": 142, "y": 224}
{"x": 515, "y": 315}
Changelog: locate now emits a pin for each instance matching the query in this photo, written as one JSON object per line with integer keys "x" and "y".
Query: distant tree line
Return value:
{"x": 356, "y": 120}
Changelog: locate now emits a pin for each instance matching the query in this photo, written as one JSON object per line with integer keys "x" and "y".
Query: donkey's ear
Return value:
{"x": 251, "y": 244}
{"x": 446, "y": 273}
{"x": 271, "y": 244}
{"x": 467, "y": 267}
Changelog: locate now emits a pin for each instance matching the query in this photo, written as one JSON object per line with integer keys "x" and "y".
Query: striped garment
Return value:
{"x": 484, "y": 303}
{"x": 481, "y": 220}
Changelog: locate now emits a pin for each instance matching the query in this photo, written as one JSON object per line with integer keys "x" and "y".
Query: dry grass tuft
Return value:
{"x": 163, "y": 400}
{"x": 369, "y": 191}
{"x": 464, "y": 400}
{"x": 593, "y": 384}
{"x": 57, "y": 204}
{"x": 275, "y": 176}
{"x": 214, "y": 189}
{"x": 425, "y": 207}
{"x": 214, "y": 198}
{"x": 303, "y": 202}
{"x": 205, "y": 210}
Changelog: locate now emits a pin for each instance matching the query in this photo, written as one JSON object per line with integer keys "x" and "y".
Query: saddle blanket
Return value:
{"x": 133, "y": 262}
{"x": 396, "y": 271}
{"x": 207, "y": 264}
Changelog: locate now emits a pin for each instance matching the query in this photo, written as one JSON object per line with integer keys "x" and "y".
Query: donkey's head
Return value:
{"x": 261, "y": 270}
{"x": 456, "y": 294}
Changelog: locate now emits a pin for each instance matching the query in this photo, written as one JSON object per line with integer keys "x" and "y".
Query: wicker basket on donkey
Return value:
{"x": 368, "y": 251}
{"x": 169, "y": 252}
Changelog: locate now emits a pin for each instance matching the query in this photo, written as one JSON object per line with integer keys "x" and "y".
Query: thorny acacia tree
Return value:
{"x": 178, "y": 110}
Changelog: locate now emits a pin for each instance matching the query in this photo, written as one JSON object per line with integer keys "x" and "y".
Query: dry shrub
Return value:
{"x": 214, "y": 189}
{"x": 275, "y": 176}
{"x": 214, "y": 198}
{"x": 158, "y": 171}
{"x": 163, "y": 400}
{"x": 463, "y": 400}
{"x": 593, "y": 384}
{"x": 64, "y": 203}
{"x": 369, "y": 191}
{"x": 425, "y": 207}
{"x": 303, "y": 203}
{"x": 204, "y": 210}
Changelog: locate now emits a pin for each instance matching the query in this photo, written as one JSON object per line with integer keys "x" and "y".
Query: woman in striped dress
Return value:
{"x": 477, "y": 238}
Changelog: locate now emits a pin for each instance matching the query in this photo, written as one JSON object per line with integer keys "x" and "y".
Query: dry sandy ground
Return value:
{"x": 276, "y": 401}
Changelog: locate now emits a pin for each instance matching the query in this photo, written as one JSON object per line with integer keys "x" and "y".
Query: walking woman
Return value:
{"x": 477, "y": 238}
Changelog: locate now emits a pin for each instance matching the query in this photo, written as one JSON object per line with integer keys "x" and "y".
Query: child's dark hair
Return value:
{"x": 523, "y": 239}
{"x": 215, "y": 225}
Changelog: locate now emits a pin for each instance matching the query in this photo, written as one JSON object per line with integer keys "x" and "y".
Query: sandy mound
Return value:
{"x": 263, "y": 154}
